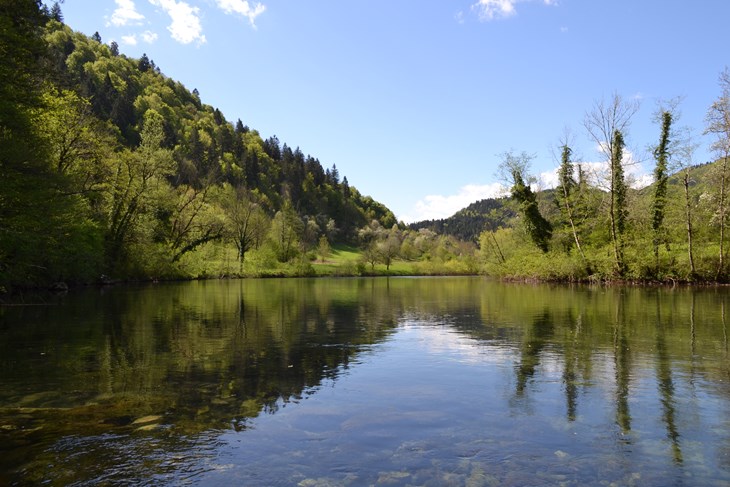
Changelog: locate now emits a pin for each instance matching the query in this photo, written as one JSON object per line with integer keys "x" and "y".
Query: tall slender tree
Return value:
{"x": 661, "y": 155}
{"x": 718, "y": 124}
{"x": 566, "y": 191}
{"x": 686, "y": 151}
{"x": 607, "y": 124}
{"x": 619, "y": 211}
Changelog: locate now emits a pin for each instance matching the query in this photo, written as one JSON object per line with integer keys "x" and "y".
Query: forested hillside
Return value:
{"x": 468, "y": 223}
{"x": 110, "y": 167}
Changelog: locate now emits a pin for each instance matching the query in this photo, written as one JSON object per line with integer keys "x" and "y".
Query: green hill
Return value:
{"x": 111, "y": 167}
{"x": 467, "y": 223}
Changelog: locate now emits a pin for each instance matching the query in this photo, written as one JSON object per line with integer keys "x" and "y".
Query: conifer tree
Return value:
{"x": 56, "y": 13}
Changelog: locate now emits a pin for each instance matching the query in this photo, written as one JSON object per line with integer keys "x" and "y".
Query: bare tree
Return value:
{"x": 718, "y": 125}
{"x": 684, "y": 153}
{"x": 607, "y": 124}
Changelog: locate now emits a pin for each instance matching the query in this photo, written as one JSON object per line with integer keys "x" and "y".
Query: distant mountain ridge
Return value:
{"x": 467, "y": 223}
{"x": 493, "y": 213}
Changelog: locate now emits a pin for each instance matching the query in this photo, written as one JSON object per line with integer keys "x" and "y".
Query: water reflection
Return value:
{"x": 570, "y": 385}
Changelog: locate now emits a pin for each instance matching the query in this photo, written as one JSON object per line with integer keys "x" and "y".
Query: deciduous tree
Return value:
{"x": 566, "y": 193}
{"x": 136, "y": 176}
{"x": 514, "y": 169}
{"x": 607, "y": 124}
{"x": 245, "y": 220}
{"x": 661, "y": 155}
{"x": 718, "y": 125}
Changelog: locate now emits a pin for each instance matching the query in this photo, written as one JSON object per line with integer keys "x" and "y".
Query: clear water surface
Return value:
{"x": 398, "y": 382}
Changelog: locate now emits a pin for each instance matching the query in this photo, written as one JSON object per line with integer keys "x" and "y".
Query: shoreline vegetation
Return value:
{"x": 113, "y": 172}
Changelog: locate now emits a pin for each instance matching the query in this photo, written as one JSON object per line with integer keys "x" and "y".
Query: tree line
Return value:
{"x": 595, "y": 226}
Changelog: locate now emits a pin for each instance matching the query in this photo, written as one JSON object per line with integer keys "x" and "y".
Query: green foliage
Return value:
{"x": 618, "y": 208}
{"x": 286, "y": 229}
{"x": 566, "y": 182}
{"x": 468, "y": 223}
{"x": 324, "y": 249}
{"x": 661, "y": 155}
{"x": 539, "y": 229}
{"x": 110, "y": 167}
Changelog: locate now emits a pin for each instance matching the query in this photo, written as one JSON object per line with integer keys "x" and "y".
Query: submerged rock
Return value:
{"x": 147, "y": 419}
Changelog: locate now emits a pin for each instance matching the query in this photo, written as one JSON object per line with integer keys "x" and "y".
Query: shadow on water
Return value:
{"x": 141, "y": 384}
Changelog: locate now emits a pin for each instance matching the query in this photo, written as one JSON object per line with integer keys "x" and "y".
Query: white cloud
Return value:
{"x": 241, "y": 7}
{"x": 185, "y": 27}
{"x": 130, "y": 40}
{"x": 149, "y": 37}
{"x": 433, "y": 207}
{"x": 598, "y": 173}
{"x": 499, "y": 9}
{"x": 493, "y": 9}
{"x": 548, "y": 179}
{"x": 125, "y": 14}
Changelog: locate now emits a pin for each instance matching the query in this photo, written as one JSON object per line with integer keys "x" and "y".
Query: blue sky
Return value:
{"x": 414, "y": 101}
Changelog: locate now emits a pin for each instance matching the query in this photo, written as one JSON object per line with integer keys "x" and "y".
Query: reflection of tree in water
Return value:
{"x": 666, "y": 386}
{"x": 622, "y": 367}
{"x": 206, "y": 357}
{"x": 280, "y": 340}
{"x": 537, "y": 336}
{"x": 183, "y": 361}
{"x": 570, "y": 374}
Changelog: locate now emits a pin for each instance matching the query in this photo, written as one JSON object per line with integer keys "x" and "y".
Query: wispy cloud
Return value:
{"x": 149, "y": 37}
{"x": 495, "y": 9}
{"x": 500, "y": 9}
{"x": 130, "y": 40}
{"x": 599, "y": 173}
{"x": 242, "y": 7}
{"x": 125, "y": 14}
{"x": 433, "y": 207}
{"x": 185, "y": 27}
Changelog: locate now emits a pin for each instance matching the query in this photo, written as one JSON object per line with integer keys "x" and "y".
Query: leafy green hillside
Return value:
{"x": 110, "y": 167}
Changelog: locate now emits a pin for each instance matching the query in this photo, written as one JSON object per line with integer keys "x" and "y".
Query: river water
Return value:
{"x": 386, "y": 381}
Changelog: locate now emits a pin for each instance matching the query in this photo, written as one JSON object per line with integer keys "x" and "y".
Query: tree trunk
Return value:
{"x": 618, "y": 201}
{"x": 722, "y": 209}
{"x": 688, "y": 214}
{"x": 569, "y": 212}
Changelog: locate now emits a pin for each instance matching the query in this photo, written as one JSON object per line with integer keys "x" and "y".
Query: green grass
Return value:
{"x": 216, "y": 260}
{"x": 346, "y": 260}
